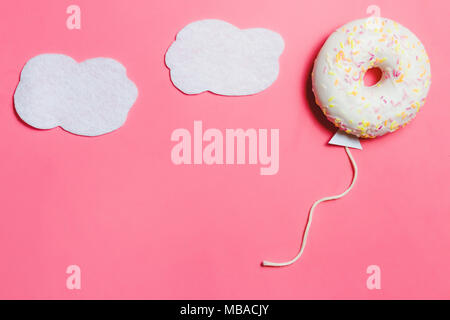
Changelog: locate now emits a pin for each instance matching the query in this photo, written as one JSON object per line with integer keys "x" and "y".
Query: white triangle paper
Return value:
{"x": 345, "y": 140}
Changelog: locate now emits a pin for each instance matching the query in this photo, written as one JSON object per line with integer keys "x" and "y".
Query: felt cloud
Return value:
{"x": 213, "y": 55}
{"x": 89, "y": 98}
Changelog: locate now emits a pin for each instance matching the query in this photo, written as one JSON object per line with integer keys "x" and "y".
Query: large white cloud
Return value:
{"x": 89, "y": 98}
{"x": 213, "y": 55}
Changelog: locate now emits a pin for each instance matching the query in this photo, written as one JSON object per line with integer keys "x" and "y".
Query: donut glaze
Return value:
{"x": 338, "y": 77}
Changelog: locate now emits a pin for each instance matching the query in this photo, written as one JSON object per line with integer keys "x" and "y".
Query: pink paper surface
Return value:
{"x": 140, "y": 227}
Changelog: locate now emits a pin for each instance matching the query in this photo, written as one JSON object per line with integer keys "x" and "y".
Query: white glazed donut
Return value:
{"x": 340, "y": 67}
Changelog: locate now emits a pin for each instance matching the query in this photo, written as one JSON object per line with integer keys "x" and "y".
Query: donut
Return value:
{"x": 339, "y": 69}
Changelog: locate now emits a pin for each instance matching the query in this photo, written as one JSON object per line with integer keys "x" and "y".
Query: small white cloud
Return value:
{"x": 89, "y": 98}
{"x": 213, "y": 55}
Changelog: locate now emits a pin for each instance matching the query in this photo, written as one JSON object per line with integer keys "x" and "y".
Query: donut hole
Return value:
{"x": 372, "y": 76}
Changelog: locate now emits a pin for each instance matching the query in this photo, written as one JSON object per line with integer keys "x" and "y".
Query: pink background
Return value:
{"x": 140, "y": 227}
